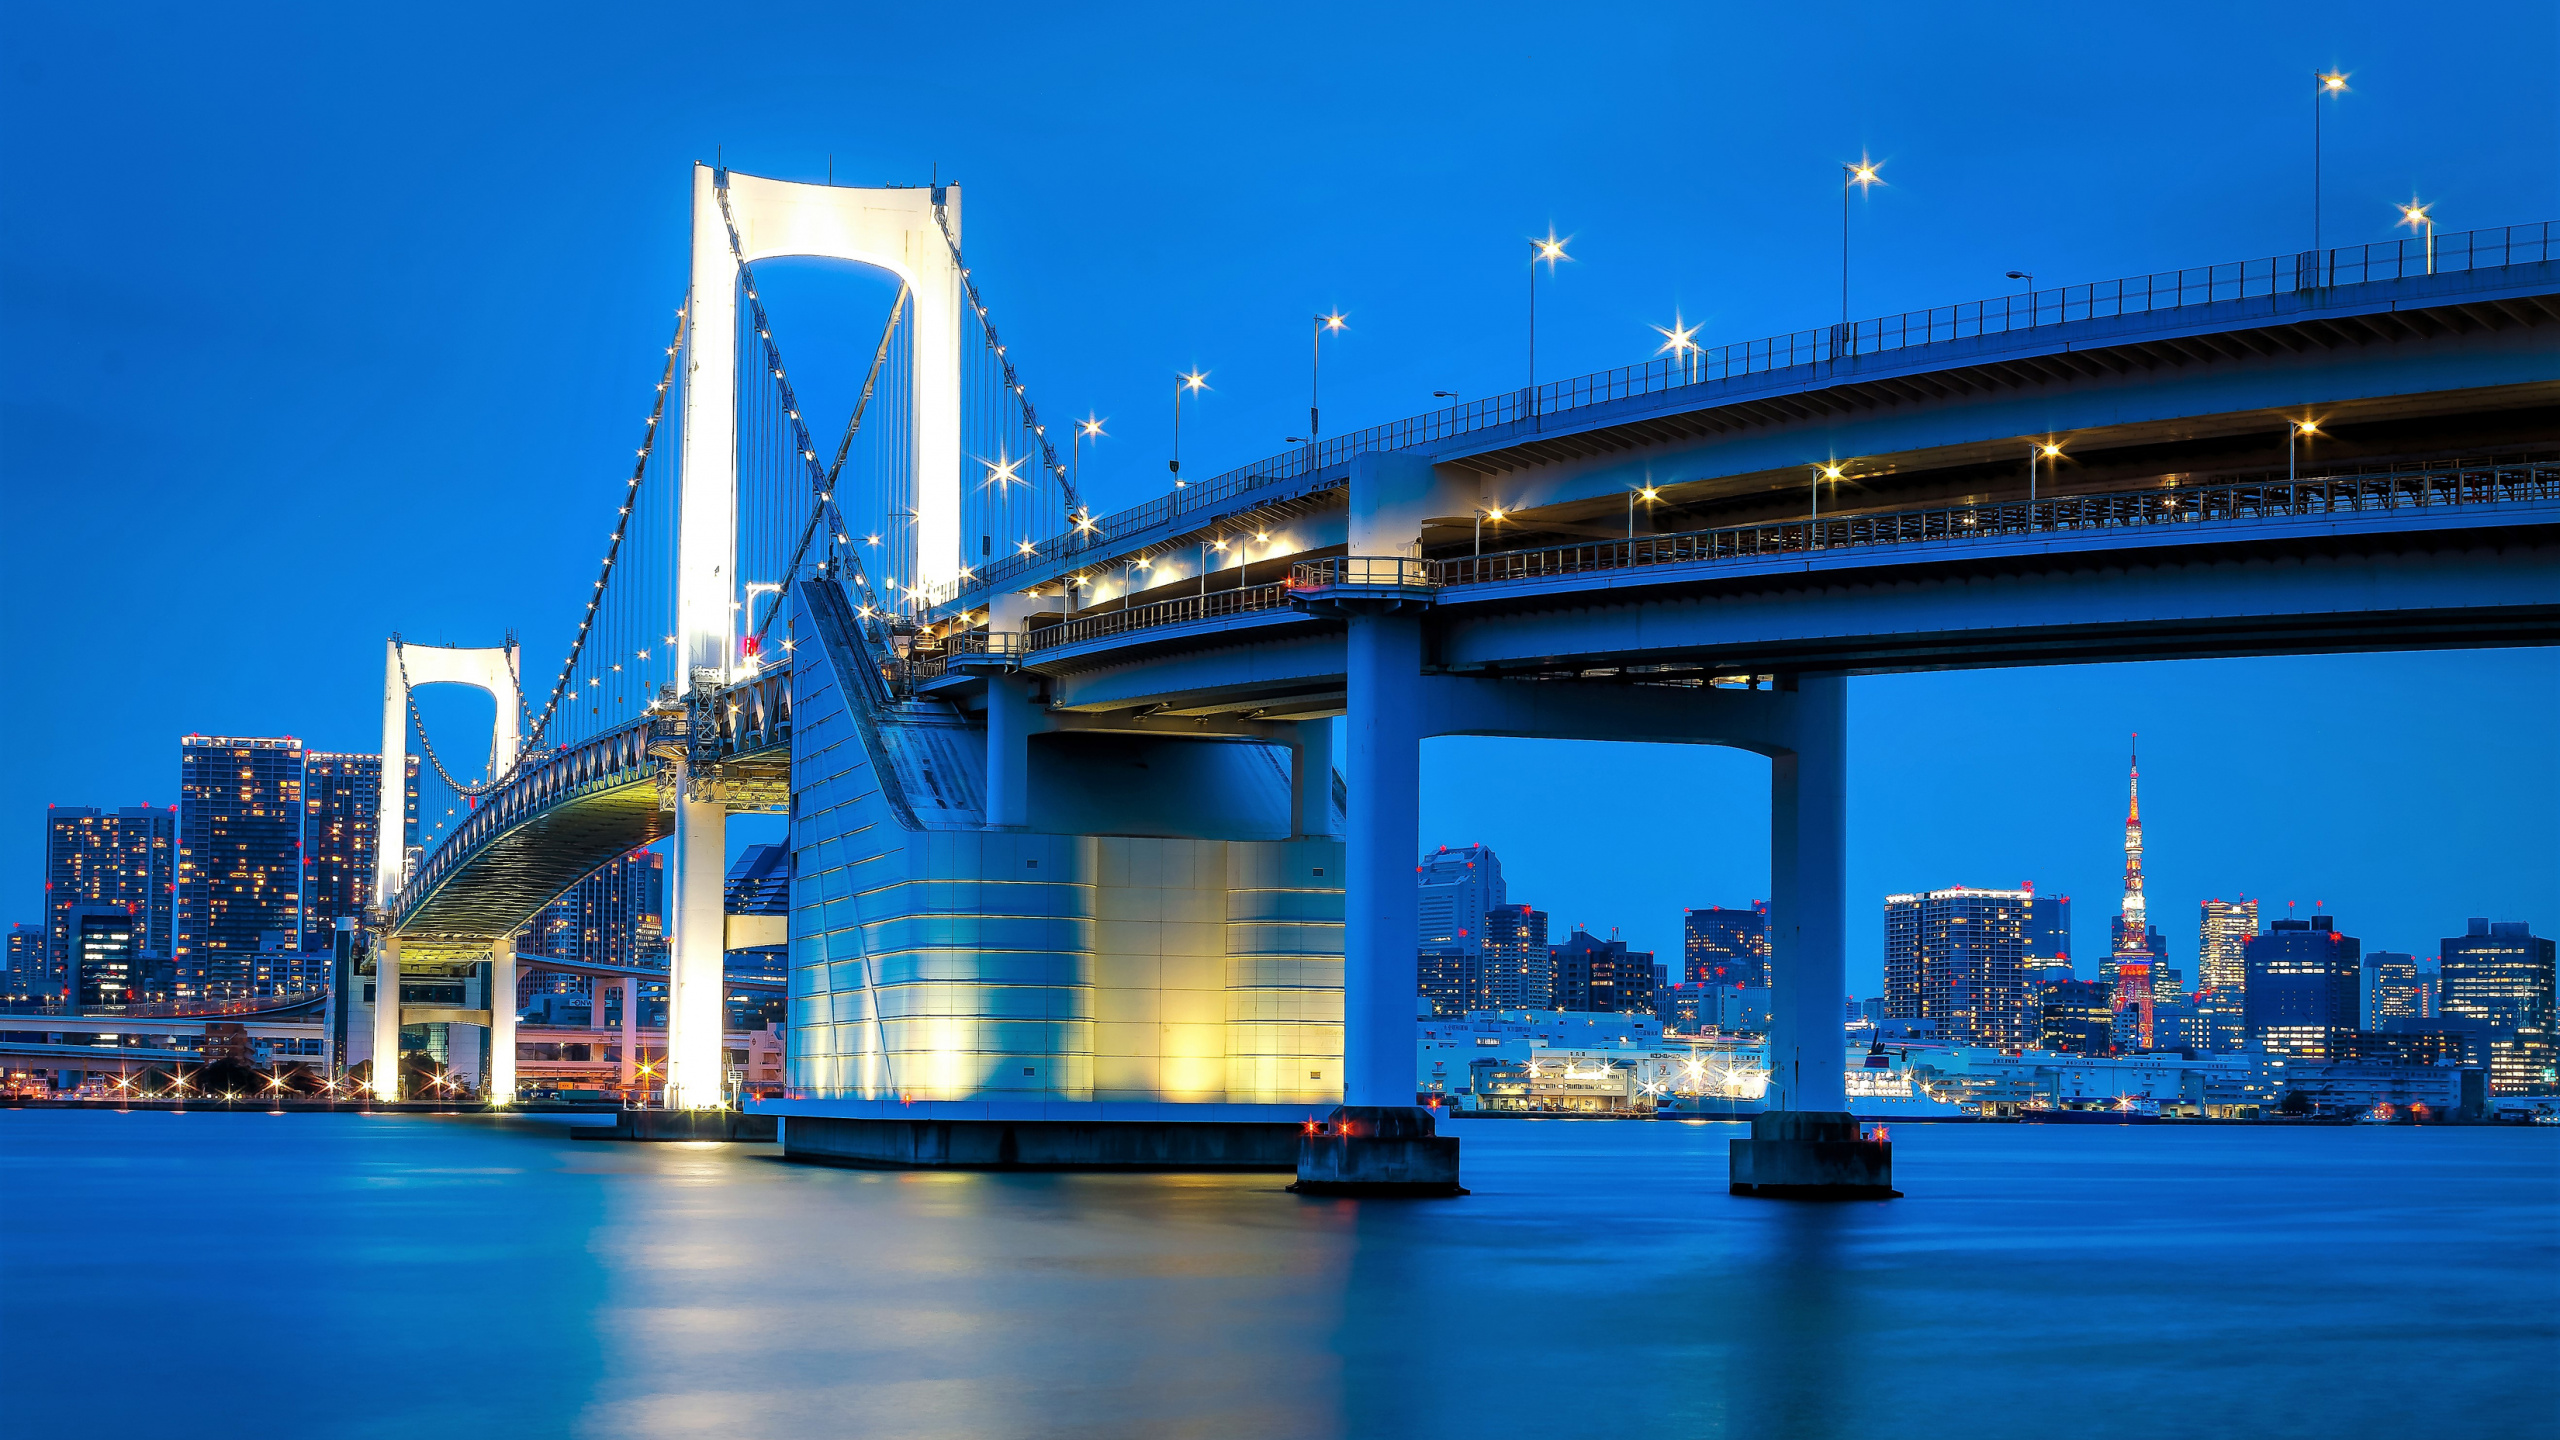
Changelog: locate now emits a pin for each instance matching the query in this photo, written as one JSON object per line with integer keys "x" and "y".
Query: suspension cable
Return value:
{"x": 1012, "y": 381}
{"x": 621, "y": 527}
{"x": 426, "y": 743}
{"x": 826, "y": 508}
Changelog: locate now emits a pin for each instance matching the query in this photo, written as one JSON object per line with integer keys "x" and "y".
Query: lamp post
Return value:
{"x": 2294, "y": 434}
{"x": 1550, "y": 250}
{"x": 1680, "y": 342}
{"x": 2415, "y": 215}
{"x": 1482, "y": 515}
{"x": 1820, "y": 474}
{"x": 1315, "y": 370}
{"x": 2030, "y": 277}
{"x": 1648, "y": 495}
{"x": 2326, "y": 84}
{"x": 1863, "y": 176}
{"x": 2038, "y": 450}
{"x": 1195, "y": 380}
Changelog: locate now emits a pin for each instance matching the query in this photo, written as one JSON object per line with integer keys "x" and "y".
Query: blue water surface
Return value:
{"x": 221, "y": 1275}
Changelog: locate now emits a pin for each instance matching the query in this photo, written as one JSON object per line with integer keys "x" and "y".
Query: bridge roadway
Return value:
{"x": 1703, "y": 563}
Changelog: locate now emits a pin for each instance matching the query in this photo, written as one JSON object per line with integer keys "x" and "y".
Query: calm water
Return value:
{"x": 221, "y": 1275}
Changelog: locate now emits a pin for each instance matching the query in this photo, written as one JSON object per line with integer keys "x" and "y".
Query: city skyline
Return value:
{"x": 389, "y": 274}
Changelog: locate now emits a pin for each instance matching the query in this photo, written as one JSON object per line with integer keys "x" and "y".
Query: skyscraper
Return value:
{"x": 239, "y": 858}
{"x": 2304, "y": 990}
{"x": 2226, "y": 927}
{"x": 616, "y": 916}
{"x": 1725, "y": 947}
{"x": 2391, "y": 989}
{"x": 127, "y": 857}
{"x": 1603, "y": 975}
{"x": 2075, "y": 1017}
{"x": 2048, "y": 928}
{"x": 1959, "y": 957}
{"x": 105, "y": 954}
{"x": 1517, "y": 971}
{"x": 2498, "y": 973}
{"x": 341, "y": 801}
{"x": 1458, "y": 888}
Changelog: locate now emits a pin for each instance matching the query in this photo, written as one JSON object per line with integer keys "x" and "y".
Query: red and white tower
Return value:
{"x": 2131, "y": 959}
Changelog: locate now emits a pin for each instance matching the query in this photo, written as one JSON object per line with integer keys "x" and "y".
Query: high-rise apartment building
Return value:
{"x": 1458, "y": 887}
{"x": 2075, "y": 1017}
{"x": 1958, "y": 957}
{"x": 2391, "y": 989}
{"x": 2498, "y": 974}
{"x": 1725, "y": 947}
{"x": 1517, "y": 971}
{"x": 2048, "y": 929}
{"x": 126, "y": 858}
{"x": 2305, "y": 987}
{"x": 239, "y": 872}
{"x": 616, "y": 916}
{"x": 2220, "y": 938}
{"x": 30, "y": 962}
{"x": 1603, "y": 975}
{"x": 341, "y": 833}
{"x": 106, "y": 955}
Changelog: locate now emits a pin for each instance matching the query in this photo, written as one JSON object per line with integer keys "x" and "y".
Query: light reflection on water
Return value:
{"x": 2086, "y": 1281}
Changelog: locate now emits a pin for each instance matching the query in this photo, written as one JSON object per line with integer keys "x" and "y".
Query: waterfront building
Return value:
{"x": 30, "y": 961}
{"x": 125, "y": 857}
{"x": 1725, "y": 947}
{"x": 239, "y": 870}
{"x": 1593, "y": 974}
{"x": 1958, "y": 957}
{"x": 2048, "y": 930}
{"x": 616, "y": 916}
{"x": 2176, "y": 1023}
{"x": 2500, "y": 974}
{"x": 1517, "y": 970}
{"x": 2220, "y": 1023}
{"x": 106, "y": 954}
{"x": 2421, "y": 1041}
{"x": 1446, "y": 976}
{"x": 2304, "y": 987}
{"x": 2076, "y": 1017}
{"x": 341, "y": 832}
{"x": 2391, "y": 989}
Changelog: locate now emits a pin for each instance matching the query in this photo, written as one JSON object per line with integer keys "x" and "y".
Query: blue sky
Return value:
{"x": 323, "y": 323}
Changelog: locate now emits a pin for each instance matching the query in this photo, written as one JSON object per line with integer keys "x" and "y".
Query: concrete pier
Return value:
{"x": 1381, "y": 1150}
{"x": 941, "y": 1144}
{"x": 1811, "y": 1155}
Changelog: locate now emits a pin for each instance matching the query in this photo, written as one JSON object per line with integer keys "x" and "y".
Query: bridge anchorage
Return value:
{"x": 1074, "y": 881}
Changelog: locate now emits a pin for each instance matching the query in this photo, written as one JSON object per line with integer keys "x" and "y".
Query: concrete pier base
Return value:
{"x": 1812, "y": 1155}
{"x": 682, "y": 1125}
{"x": 938, "y": 1144}
{"x": 1378, "y": 1150}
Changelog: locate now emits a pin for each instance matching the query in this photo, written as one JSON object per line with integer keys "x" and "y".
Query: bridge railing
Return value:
{"x": 1214, "y": 605}
{"x": 2247, "y": 499}
{"x": 2310, "y": 270}
{"x": 180, "y": 1009}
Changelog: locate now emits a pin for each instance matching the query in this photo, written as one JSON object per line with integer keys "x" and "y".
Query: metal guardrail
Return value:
{"x": 178, "y": 1009}
{"x": 1187, "y": 608}
{"x": 2306, "y": 271}
{"x": 2176, "y": 505}
{"x": 2241, "y": 499}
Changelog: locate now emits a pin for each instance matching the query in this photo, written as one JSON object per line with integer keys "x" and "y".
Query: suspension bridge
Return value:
{"x": 1074, "y": 877}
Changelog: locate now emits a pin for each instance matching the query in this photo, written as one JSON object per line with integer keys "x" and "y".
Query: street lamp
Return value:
{"x": 2326, "y": 84}
{"x": 2030, "y": 277}
{"x": 2294, "y": 434}
{"x": 1550, "y": 250}
{"x": 2037, "y": 450}
{"x": 1315, "y": 370}
{"x": 1863, "y": 176}
{"x": 2414, "y": 215}
{"x": 1680, "y": 342}
{"x": 1830, "y": 472}
{"x": 1196, "y": 380}
{"x": 1647, "y": 494}
{"x": 1494, "y": 514}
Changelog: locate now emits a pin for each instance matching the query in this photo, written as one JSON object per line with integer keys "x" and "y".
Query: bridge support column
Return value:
{"x": 1311, "y": 780}
{"x": 700, "y": 934}
{"x": 1378, "y": 1141}
{"x": 1806, "y": 1145}
{"x": 630, "y": 1066}
{"x": 386, "y": 1020}
{"x": 1010, "y": 718}
{"x": 498, "y": 1072}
